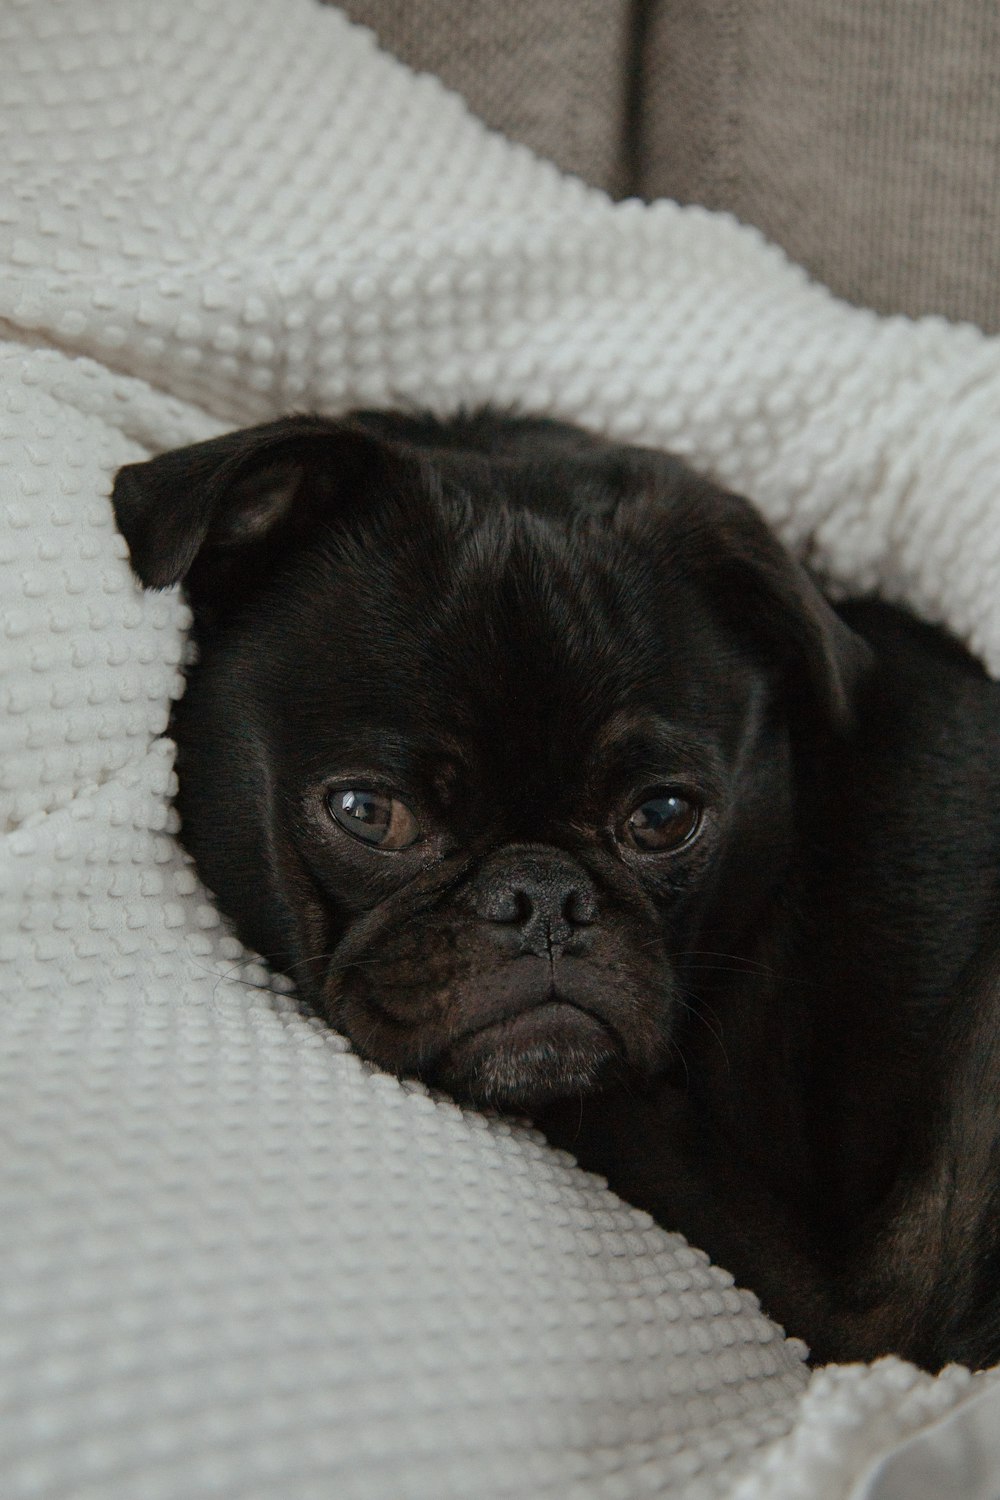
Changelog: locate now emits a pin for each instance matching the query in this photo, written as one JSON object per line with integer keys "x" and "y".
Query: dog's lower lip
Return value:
{"x": 545, "y": 1014}
{"x": 527, "y": 1059}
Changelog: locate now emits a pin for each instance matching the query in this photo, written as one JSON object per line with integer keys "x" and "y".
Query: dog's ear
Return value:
{"x": 220, "y": 514}
{"x": 751, "y": 580}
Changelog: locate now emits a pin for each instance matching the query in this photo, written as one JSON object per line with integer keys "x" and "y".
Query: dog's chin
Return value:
{"x": 547, "y": 1052}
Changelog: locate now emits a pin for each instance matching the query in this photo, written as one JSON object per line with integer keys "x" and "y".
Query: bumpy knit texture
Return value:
{"x": 236, "y": 1261}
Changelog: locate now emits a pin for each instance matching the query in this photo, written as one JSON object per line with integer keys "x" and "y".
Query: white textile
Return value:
{"x": 235, "y": 1261}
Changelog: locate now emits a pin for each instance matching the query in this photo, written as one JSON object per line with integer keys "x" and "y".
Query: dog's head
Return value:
{"x": 491, "y": 730}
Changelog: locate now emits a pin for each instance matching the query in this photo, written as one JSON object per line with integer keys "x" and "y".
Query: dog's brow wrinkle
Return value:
{"x": 621, "y": 725}
{"x": 445, "y": 779}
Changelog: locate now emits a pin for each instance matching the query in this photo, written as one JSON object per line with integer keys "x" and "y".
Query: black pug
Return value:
{"x": 554, "y": 781}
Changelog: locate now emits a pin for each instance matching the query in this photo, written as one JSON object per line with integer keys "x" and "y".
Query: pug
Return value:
{"x": 553, "y": 780}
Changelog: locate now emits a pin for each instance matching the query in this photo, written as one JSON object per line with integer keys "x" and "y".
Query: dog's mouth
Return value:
{"x": 545, "y": 1051}
{"x": 514, "y": 1034}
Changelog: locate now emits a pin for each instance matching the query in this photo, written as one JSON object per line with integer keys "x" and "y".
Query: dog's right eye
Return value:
{"x": 374, "y": 817}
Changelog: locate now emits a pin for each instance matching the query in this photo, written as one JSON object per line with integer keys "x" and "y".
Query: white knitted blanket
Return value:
{"x": 236, "y": 1262}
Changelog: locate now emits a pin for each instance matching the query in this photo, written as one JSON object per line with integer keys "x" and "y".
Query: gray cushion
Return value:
{"x": 549, "y": 74}
{"x": 864, "y": 139}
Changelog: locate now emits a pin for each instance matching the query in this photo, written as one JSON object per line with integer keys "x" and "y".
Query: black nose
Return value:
{"x": 544, "y": 898}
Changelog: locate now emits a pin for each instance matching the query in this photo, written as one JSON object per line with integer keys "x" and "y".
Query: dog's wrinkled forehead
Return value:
{"x": 394, "y": 568}
{"x": 497, "y": 646}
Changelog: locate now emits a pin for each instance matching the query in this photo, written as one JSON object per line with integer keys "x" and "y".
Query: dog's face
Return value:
{"x": 491, "y": 730}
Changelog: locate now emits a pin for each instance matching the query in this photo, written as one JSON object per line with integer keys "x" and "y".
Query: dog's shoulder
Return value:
{"x": 904, "y": 813}
{"x": 927, "y": 688}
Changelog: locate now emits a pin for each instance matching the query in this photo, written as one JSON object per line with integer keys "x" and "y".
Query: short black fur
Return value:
{"x": 523, "y": 648}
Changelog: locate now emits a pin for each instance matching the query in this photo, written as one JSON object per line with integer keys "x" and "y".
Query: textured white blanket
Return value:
{"x": 236, "y": 1262}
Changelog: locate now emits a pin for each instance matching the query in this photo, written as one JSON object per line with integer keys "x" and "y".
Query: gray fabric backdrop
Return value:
{"x": 864, "y": 139}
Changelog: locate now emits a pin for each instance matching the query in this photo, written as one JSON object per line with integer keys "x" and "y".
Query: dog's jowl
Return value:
{"x": 552, "y": 780}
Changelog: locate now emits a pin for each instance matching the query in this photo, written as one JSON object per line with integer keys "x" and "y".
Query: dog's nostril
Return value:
{"x": 580, "y": 908}
{"x": 505, "y": 904}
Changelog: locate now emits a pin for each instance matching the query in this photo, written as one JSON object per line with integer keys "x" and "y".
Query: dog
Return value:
{"x": 551, "y": 779}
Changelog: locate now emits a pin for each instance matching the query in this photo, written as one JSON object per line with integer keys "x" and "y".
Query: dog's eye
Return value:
{"x": 663, "y": 822}
{"x": 374, "y": 817}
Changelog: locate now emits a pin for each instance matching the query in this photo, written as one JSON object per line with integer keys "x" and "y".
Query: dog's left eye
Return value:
{"x": 663, "y": 822}
{"x": 374, "y": 817}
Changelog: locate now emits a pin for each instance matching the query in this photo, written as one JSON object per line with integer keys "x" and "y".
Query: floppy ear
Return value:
{"x": 220, "y": 514}
{"x": 748, "y": 577}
